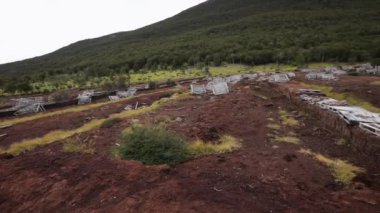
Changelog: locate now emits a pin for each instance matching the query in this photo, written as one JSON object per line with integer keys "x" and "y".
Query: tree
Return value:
{"x": 24, "y": 87}
{"x": 122, "y": 82}
{"x": 217, "y": 59}
{"x": 300, "y": 59}
{"x": 206, "y": 70}
{"x": 376, "y": 62}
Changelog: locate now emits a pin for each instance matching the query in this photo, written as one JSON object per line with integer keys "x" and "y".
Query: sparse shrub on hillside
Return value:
{"x": 77, "y": 147}
{"x": 292, "y": 139}
{"x": 152, "y": 85}
{"x": 152, "y": 146}
{"x": 288, "y": 119}
{"x": 108, "y": 85}
{"x": 170, "y": 82}
{"x": 206, "y": 70}
{"x": 353, "y": 73}
{"x": 110, "y": 122}
{"x": 122, "y": 82}
{"x": 60, "y": 96}
{"x": 162, "y": 119}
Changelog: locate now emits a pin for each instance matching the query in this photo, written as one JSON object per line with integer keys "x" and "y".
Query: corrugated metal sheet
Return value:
{"x": 197, "y": 89}
{"x": 220, "y": 88}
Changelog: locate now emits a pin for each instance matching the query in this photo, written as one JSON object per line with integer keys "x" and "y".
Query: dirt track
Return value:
{"x": 262, "y": 176}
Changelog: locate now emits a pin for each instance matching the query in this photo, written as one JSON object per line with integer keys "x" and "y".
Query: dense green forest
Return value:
{"x": 250, "y": 32}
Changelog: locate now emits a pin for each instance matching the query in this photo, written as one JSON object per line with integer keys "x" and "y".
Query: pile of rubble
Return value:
{"x": 280, "y": 78}
{"x": 123, "y": 94}
{"x": 28, "y": 105}
{"x": 85, "y": 97}
{"x": 352, "y": 115}
{"x": 363, "y": 69}
{"x": 218, "y": 85}
{"x": 221, "y": 85}
{"x": 321, "y": 76}
{"x": 325, "y": 74}
{"x": 343, "y": 70}
{"x": 276, "y": 77}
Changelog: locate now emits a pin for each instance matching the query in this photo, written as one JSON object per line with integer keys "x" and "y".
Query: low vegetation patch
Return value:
{"x": 163, "y": 75}
{"x": 225, "y": 144}
{"x": 274, "y": 126}
{"x": 75, "y": 147}
{"x": 376, "y": 83}
{"x": 287, "y": 119}
{"x": 259, "y": 95}
{"x": 351, "y": 99}
{"x": 110, "y": 122}
{"x": 321, "y": 65}
{"x": 343, "y": 171}
{"x": 152, "y": 146}
{"x": 163, "y": 119}
{"x": 292, "y": 139}
{"x": 341, "y": 142}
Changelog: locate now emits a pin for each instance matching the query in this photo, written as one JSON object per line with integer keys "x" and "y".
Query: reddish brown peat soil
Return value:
{"x": 262, "y": 176}
{"x": 360, "y": 86}
{"x": 39, "y": 127}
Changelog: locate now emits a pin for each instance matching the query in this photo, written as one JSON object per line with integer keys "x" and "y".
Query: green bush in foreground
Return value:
{"x": 152, "y": 146}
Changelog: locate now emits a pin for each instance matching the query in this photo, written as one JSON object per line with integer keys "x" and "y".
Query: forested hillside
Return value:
{"x": 232, "y": 31}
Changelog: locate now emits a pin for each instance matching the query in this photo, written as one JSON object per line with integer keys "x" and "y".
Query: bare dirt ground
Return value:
{"x": 262, "y": 176}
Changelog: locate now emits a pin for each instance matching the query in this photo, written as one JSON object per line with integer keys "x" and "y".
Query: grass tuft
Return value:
{"x": 259, "y": 95}
{"x": 343, "y": 171}
{"x": 225, "y": 144}
{"x": 73, "y": 147}
{"x": 287, "y": 139}
{"x": 108, "y": 123}
{"x": 287, "y": 119}
{"x": 341, "y": 142}
{"x": 163, "y": 119}
{"x": 376, "y": 83}
{"x": 274, "y": 126}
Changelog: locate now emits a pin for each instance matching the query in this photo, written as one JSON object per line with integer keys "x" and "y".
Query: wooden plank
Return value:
{"x": 4, "y": 127}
